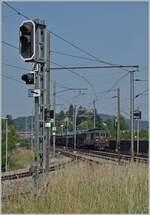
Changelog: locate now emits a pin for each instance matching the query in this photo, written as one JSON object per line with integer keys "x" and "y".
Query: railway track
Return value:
{"x": 97, "y": 157}
{"x": 139, "y": 158}
{"x": 25, "y": 185}
{"x": 80, "y": 154}
{"x": 83, "y": 156}
{"x": 114, "y": 157}
{"x": 22, "y": 173}
{"x": 100, "y": 155}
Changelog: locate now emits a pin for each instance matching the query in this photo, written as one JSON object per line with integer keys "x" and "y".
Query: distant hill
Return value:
{"x": 25, "y": 123}
{"x": 105, "y": 117}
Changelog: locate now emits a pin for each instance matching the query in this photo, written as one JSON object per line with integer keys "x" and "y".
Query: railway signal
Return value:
{"x": 137, "y": 114}
{"x": 34, "y": 46}
{"x": 137, "y": 117}
{"x": 49, "y": 114}
{"x": 32, "y": 41}
{"x": 28, "y": 78}
{"x": 27, "y": 40}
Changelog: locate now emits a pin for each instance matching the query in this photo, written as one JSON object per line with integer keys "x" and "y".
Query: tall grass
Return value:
{"x": 83, "y": 188}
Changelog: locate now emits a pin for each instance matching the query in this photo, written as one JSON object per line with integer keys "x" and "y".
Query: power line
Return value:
{"x": 140, "y": 80}
{"x": 62, "y": 91}
{"x": 104, "y": 98}
{"x": 10, "y": 45}
{"x": 111, "y": 89}
{"x": 74, "y": 56}
{"x": 60, "y": 85}
{"x": 62, "y": 53}
{"x": 71, "y": 89}
{"x": 13, "y": 46}
{"x": 70, "y": 71}
{"x": 142, "y": 93}
{"x": 145, "y": 91}
{"x": 81, "y": 76}
{"x": 12, "y": 78}
{"x": 10, "y": 15}
{"x": 75, "y": 97}
{"x": 55, "y": 52}
{"x": 13, "y": 66}
{"x": 16, "y": 80}
{"x": 116, "y": 82}
{"x": 68, "y": 42}
{"x": 119, "y": 79}
{"x": 71, "y": 99}
{"x": 52, "y": 51}
{"x": 146, "y": 94}
{"x": 17, "y": 11}
{"x": 82, "y": 50}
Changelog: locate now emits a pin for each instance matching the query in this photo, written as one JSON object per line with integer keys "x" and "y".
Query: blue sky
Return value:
{"x": 113, "y": 31}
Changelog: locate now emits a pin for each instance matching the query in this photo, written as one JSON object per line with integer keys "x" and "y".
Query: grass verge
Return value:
{"x": 21, "y": 158}
{"x": 83, "y": 188}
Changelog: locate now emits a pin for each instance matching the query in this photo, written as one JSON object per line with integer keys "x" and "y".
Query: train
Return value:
{"x": 95, "y": 138}
{"x": 99, "y": 139}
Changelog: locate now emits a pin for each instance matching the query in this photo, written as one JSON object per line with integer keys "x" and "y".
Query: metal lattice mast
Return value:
{"x": 54, "y": 124}
{"x": 132, "y": 112}
{"x": 48, "y": 137}
{"x": 74, "y": 124}
{"x": 118, "y": 123}
{"x": 94, "y": 124}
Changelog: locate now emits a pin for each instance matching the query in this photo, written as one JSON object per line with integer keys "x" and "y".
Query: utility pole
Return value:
{"x": 74, "y": 125}
{"x": 6, "y": 162}
{"x": 54, "y": 107}
{"x": 26, "y": 128}
{"x": 66, "y": 120}
{"x": 48, "y": 135}
{"x": 36, "y": 126}
{"x": 6, "y": 143}
{"x": 32, "y": 145}
{"x": 67, "y": 133}
{"x": 94, "y": 112}
{"x": 62, "y": 126}
{"x": 118, "y": 124}
{"x": 41, "y": 99}
{"x": 33, "y": 49}
{"x": 138, "y": 139}
{"x": 137, "y": 117}
{"x": 132, "y": 112}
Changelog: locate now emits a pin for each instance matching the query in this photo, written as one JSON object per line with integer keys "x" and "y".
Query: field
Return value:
{"x": 84, "y": 188}
{"x": 21, "y": 158}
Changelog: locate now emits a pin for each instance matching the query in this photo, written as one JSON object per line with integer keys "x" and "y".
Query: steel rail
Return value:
{"x": 114, "y": 156}
{"x": 17, "y": 175}
{"x": 137, "y": 156}
{"x": 101, "y": 155}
